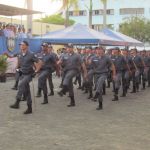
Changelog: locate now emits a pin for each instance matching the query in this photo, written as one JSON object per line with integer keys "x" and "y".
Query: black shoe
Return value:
{"x": 123, "y": 95}
{"x": 45, "y": 102}
{"x": 79, "y": 88}
{"x": 90, "y": 96}
{"x": 60, "y": 94}
{"x": 16, "y": 105}
{"x": 29, "y": 110}
{"x": 133, "y": 91}
{"x": 75, "y": 83}
{"x": 100, "y": 107}
{"x": 38, "y": 95}
{"x": 71, "y": 105}
{"x": 96, "y": 95}
{"x": 51, "y": 94}
{"x": 115, "y": 98}
{"x": 14, "y": 88}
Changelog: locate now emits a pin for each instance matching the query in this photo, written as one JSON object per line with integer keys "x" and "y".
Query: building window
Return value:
{"x": 97, "y": 12}
{"x": 97, "y": 27}
{"x": 130, "y": 11}
{"x": 70, "y": 13}
{"x": 110, "y": 11}
{"x": 82, "y": 13}
{"x": 78, "y": 13}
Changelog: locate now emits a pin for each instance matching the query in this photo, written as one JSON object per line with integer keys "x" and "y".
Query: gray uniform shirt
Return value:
{"x": 49, "y": 61}
{"x": 101, "y": 64}
{"x": 26, "y": 62}
{"x": 71, "y": 61}
{"x": 119, "y": 62}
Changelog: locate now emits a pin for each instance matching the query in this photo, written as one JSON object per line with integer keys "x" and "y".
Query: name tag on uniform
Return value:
{"x": 95, "y": 60}
{"x": 65, "y": 57}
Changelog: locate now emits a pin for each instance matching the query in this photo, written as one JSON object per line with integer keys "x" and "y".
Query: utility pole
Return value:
{"x": 29, "y": 17}
{"x": 105, "y": 14}
{"x": 90, "y": 13}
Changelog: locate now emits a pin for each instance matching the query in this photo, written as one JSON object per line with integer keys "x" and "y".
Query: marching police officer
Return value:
{"x": 48, "y": 60}
{"x": 136, "y": 69}
{"x": 71, "y": 68}
{"x": 121, "y": 66}
{"x": 27, "y": 60}
{"x": 101, "y": 64}
{"x": 53, "y": 69}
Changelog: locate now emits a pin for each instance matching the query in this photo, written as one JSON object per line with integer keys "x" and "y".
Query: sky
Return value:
{"x": 46, "y": 6}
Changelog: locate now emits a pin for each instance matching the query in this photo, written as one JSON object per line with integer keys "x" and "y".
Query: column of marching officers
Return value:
{"x": 93, "y": 69}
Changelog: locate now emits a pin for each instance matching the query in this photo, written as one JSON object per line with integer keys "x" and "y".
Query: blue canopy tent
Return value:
{"x": 128, "y": 41}
{"x": 79, "y": 34}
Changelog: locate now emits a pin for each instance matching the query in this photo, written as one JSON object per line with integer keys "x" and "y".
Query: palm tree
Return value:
{"x": 67, "y": 4}
{"x": 104, "y": 13}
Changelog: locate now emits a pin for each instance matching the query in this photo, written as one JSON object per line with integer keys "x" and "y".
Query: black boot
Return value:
{"x": 15, "y": 86}
{"x": 124, "y": 93}
{"x": 143, "y": 86}
{"x": 115, "y": 95}
{"x": 134, "y": 90}
{"x": 45, "y": 99}
{"x": 90, "y": 95}
{"x": 95, "y": 97}
{"x": 100, "y": 101}
{"x": 29, "y": 109}
{"x": 39, "y": 92}
{"x": 72, "y": 102}
{"x": 63, "y": 91}
{"x": 115, "y": 98}
{"x": 51, "y": 93}
{"x": 16, "y": 104}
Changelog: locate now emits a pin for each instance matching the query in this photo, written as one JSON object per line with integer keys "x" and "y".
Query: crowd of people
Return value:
{"x": 14, "y": 31}
{"x": 94, "y": 69}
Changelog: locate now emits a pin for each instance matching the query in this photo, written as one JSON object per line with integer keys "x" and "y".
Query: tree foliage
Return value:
{"x": 136, "y": 27}
{"x": 55, "y": 19}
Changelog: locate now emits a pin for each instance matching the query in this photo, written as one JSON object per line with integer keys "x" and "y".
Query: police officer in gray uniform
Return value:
{"x": 53, "y": 69}
{"x": 90, "y": 72}
{"x": 46, "y": 69}
{"x": 146, "y": 60}
{"x": 27, "y": 60}
{"x": 101, "y": 64}
{"x": 136, "y": 69}
{"x": 72, "y": 67}
{"x": 121, "y": 66}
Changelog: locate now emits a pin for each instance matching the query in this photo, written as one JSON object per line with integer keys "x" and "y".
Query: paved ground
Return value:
{"x": 123, "y": 125}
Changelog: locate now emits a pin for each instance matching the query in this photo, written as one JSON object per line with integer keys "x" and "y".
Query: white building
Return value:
{"x": 117, "y": 12}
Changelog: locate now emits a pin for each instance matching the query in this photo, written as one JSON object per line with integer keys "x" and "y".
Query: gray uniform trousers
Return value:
{"x": 51, "y": 85}
{"x": 42, "y": 80}
{"x": 24, "y": 88}
{"x": 67, "y": 81}
{"x": 117, "y": 80}
{"x": 100, "y": 80}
